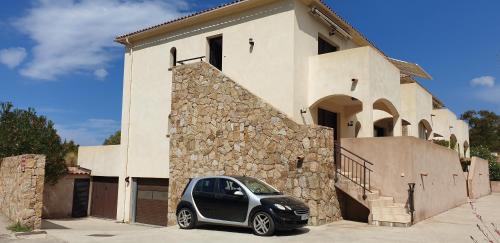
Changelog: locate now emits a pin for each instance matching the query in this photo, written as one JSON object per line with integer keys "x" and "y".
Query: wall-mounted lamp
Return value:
{"x": 127, "y": 180}
{"x": 300, "y": 162}
{"x": 303, "y": 111}
{"x": 252, "y": 43}
{"x": 432, "y": 115}
{"x": 332, "y": 32}
{"x": 350, "y": 123}
{"x": 354, "y": 84}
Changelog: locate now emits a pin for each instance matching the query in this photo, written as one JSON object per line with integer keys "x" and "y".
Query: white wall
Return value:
{"x": 416, "y": 105}
{"x": 102, "y": 160}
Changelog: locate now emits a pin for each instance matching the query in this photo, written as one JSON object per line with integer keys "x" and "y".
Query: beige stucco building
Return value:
{"x": 296, "y": 55}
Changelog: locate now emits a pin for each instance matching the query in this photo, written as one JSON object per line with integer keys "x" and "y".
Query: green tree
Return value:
{"x": 70, "y": 152}
{"x": 113, "y": 139}
{"x": 484, "y": 152}
{"x": 484, "y": 129}
{"x": 26, "y": 132}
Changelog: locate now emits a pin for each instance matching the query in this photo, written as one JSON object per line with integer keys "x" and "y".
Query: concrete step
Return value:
{"x": 390, "y": 224}
{"x": 388, "y": 210}
{"x": 381, "y": 202}
{"x": 395, "y": 218}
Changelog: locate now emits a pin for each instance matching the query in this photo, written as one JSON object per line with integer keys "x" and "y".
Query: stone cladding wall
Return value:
{"x": 21, "y": 189}
{"x": 217, "y": 127}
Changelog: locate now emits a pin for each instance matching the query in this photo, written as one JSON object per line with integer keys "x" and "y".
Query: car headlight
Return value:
{"x": 279, "y": 206}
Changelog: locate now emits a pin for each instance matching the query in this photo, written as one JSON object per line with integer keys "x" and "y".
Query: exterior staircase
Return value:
{"x": 353, "y": 177}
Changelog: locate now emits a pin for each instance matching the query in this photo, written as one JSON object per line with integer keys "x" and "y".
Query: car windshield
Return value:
{"x": 258, "y": 187}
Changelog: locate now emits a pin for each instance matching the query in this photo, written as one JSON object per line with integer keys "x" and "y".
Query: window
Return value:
{"x": 173, "y": 57}
{"x": 205, "y": 185}
{"x": 325, "y": 47}
{"x": 257, "y": 187}
{"x": 215, "y": 51}
{"x": 228, "y": 187}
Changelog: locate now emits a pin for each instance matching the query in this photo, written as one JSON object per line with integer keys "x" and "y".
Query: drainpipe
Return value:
{"x": 128, "y": 45}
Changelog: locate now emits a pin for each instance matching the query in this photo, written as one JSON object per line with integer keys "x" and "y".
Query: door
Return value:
{"x": 152, "y": 201}
{"x": 215, "y": 57}
{"x": 329, "y": 119}
{"x": 229, "y": 206}
{"x": 104, "y": 197}
{"x": 204, "y": 197}
{"x": 80, "y": 198}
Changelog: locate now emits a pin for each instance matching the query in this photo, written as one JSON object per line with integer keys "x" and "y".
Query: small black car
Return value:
{"x": 239, "y": 201}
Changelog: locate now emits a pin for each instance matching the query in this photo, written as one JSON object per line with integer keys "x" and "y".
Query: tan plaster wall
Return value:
{"x": 58, "y": 198}
{"x": 218, "y": 127}
{"x": 479, "y": 178}
{"x": 440, "y": 182}
{"x": 21, "y": 189}
{"x": 416, "y": 105}
{"x": 101, "y": 160}
{"x": 495, "y": 186}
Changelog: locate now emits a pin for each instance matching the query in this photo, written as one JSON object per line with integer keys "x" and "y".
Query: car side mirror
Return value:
{"x": 238, "y": 193}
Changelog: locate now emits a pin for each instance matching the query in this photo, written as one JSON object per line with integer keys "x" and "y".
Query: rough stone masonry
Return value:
{"x": 218, "y": 127}
{"x": 21, "y": 189}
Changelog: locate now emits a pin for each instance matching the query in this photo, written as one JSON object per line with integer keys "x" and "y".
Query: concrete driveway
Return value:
{"x": 456, "y": 225}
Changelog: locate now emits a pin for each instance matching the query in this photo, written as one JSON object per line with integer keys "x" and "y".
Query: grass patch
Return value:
{"x": 18, "y": 227}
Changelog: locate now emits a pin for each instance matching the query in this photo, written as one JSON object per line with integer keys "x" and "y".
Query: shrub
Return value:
{"x": 18, "y": 227}
{"x": 443, "y": 143}
{"x": 484, "y": 153}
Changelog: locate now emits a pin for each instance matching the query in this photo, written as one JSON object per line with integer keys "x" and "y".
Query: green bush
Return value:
{"x": 18, "y": 227}
{"x": 443, "y": 143}
{"x": 484, "y": 153}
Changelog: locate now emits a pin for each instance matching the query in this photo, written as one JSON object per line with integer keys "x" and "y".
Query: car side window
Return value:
{"x": 205, "y": 185}
{"x": 228, "y": 187}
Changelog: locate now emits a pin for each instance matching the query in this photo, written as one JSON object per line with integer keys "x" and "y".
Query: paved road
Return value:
{"x": 456, "y": 225}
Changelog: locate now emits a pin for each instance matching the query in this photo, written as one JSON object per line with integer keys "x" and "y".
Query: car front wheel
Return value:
{"x": 186, "y": 219}
{"x": 263, "y": 224}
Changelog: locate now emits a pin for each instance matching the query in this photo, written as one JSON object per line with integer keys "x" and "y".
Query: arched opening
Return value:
{"x": 405, "y": 128}
{"x": 385, "y": 116}
{"x": 453, "y": 142}
{"x": 424, "y": 129}
{"x": 338, "y": 112}
{"x": 173, "y": 57}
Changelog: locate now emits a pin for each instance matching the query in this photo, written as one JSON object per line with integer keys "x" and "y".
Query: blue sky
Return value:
{"x": 58, "y": 56}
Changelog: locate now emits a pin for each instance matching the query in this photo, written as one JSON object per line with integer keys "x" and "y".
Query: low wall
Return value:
{"x": 21, "y": 189}
{"x": 101, "y": 160}
{"x": 217, "y": 127}
{"x": 478, "y": 178}
{"x": 58, "y": 198}
{"x": 436, "y": 171}
{"x": 495, "y": 186}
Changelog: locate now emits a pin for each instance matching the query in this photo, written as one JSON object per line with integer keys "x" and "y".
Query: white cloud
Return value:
{"x": 90, "y": 132}
{"x": 101, "y": 73}
{"x": 12, "y": 57}
{"x": 485, "y": 81}
{"x": 77, "y": 35}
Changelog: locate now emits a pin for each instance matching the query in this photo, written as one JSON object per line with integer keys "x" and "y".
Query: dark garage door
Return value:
{"x": 80, "y": 198}
{"x": 152, "y": 201}
{"x": 104, "y": 197}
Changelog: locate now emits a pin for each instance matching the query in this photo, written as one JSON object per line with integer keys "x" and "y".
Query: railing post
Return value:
{"x": 411, "y": 201}
{"x": 364, "y": 180}
{"x": 337, "y": 158}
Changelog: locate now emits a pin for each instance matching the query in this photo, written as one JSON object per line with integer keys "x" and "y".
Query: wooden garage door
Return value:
{"x": 152, "y": 201}
{"x": 104, "y": 197}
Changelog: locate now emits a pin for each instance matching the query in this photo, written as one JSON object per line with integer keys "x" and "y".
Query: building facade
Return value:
{"x": 298, "y": 56}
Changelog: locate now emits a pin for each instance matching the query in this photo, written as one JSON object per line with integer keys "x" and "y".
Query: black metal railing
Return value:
{"x": 190, "y": 59}
{"x": 353, "y": 167}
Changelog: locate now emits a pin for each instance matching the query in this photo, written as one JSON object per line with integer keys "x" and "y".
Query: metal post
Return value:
{"x": 364, "y": 180}
{"x": 411, "y": 202}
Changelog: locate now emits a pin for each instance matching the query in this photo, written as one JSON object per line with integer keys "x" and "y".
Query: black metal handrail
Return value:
{"x": 348, "y": 165}
{"x": 190, "y": 59}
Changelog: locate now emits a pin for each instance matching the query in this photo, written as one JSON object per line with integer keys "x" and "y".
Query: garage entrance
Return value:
{"x": 104, "y": 197}
{"x": 152, "y": 201}
{"x": 80, "y": 198}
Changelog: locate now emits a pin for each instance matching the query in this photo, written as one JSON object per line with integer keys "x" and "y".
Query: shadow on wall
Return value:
{"x": 435, "y": 170}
